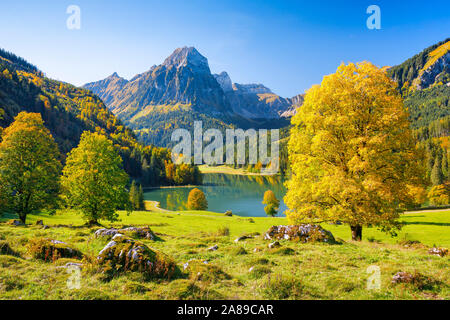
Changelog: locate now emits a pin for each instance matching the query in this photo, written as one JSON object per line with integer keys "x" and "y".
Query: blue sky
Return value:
{"x": 286, "y": 45}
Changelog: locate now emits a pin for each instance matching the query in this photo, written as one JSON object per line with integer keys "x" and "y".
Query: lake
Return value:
{"x": 239, "y": 193}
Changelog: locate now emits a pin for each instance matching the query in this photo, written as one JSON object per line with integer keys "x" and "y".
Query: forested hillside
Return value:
{"x": 68, "y": 111}
{"x": 426, "y": 68}
{"x": 429, "y": 111}
{"x": 424, "y": 82}
{"x": 427, "y": 106}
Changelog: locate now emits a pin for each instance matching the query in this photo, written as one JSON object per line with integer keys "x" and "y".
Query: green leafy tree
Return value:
{"x": 271, "y": 202}
{"x": 436, "y": 173}
{"x": 94, "y": 180}
{"x": 184, "y": 174}
{"x": 136, "y": 196}
{"x": 445, "y": 170}
{"x": 141, "y": 198}
{"x": 197, "y": 200}
{"x": 29, "y": 166}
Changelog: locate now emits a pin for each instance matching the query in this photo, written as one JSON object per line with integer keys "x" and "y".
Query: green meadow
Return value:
{"x": 236, "y": 270}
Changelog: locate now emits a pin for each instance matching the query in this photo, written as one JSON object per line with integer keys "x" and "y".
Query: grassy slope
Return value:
{"x": 312, "y": 271}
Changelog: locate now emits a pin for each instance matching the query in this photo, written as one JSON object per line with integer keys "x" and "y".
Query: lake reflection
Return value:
{"x": 241, "y": 194}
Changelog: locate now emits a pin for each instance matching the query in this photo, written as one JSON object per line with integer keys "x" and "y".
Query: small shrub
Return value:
{"x": 250, "y": 234}
{"x": 417, "y": 280}
{"x": 258, "y": 272}
{"x": 202, "y": 271}
{"x": 410, "y": 243}
{"x": 197, "y": 200}
{"x": 15, "y": 222}
{"x": 237, "y": 251}
{"x": 373, "y": 240}
{"x": 183, "y": 289}
{"x": 64, "y": 261}
{"x": 5, "y": 248}
{"x": 91, "y": 294}
{"x": 281, "y": 287}
{"x": 271, "y": 202}
{"x": 134, "y": 288}
{"x": 223, "y": 231}
{"x": 22, "y": 240}
{"x": 260, "y": 261}
{"x": 51, "y": 250}
{"x": 81, "y": 234}
{"x": 79, "y": 239}
{"x": 9, "y": 261}
{"x": 257, "y": 249}
{"x": 284, "y": 251}
{"x": 441, "y": 252}
{"x": 9, "y": 283}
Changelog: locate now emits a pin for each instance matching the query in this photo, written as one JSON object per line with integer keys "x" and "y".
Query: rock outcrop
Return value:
{"x": 224, "y": 81}
{"x": 301, "y": 233}
{"x": 441, "y": 252}
{"x": 434, "y": 72}
{"x": 15, "y": 222}
{"x": 134, "y": 232}
{"x": 125, "y": 254}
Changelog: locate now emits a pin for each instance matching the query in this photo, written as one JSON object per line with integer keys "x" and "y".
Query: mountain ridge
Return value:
{"x": 183, "y": 89}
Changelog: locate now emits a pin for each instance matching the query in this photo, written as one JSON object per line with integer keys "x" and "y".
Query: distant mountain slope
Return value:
{"x": 106, "y": 88}
{"x": 184, "y": 79}
{"x": 252, "y": 101}
{"x": 424, "y": 81}
{"x": 425, "y": 69}
{"x": 181, "y": 90}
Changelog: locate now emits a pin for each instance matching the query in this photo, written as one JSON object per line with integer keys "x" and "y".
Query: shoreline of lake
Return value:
{"x": 205, "y": 169}
{"x": 242, "y": 194}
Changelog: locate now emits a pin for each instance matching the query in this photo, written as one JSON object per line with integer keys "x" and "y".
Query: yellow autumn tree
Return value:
{"x": 352, "y": 154}
{"x": 440, "y": 195}
{"x": 271, "y": 202}
{"x": 197, "y": 200}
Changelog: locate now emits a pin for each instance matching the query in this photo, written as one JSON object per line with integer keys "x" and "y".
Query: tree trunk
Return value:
{"x": 23, "y": 217}
{"x": 356, "y": 233}
{"x": 93, "y": 223}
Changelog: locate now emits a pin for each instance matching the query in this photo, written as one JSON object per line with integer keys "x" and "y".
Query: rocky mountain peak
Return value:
{"x": 252, "y": 88}
{"x": 224, "y": 81}
{"x": 187, "y": 56}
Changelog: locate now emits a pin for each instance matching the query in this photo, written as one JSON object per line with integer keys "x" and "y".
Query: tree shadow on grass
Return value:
{"x": 440, "y": 224}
